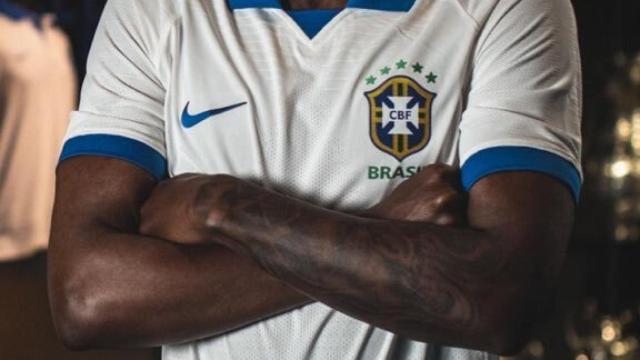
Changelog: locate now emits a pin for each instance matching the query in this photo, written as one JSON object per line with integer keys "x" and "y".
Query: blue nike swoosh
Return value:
{"x": 189, "y": 121}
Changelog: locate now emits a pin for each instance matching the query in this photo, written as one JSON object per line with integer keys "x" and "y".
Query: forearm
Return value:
{"x": 133, "y": 291}
{"x": 422, "y": 281}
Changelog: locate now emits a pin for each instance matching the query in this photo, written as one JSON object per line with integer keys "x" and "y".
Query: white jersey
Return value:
{"x": 335, "y": 107}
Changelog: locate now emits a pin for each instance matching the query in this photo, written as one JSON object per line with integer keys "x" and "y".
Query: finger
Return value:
{"x": 452, "y": 211}
{"x": 441, "y": 173}
{"x": 449, "y": 220}
{"x": 146, "y": 228}
{"x": 446, "y": 220}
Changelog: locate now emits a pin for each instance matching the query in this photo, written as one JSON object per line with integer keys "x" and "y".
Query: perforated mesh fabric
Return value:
{"x": 306, "y": 128}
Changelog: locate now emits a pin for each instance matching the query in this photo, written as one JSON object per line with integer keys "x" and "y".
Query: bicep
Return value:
{"x": 530, "y": 213}
{"x": 110, "y": 287}
{"x": 97, "y": 190}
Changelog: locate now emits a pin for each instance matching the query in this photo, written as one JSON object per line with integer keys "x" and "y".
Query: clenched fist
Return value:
{"x": 434, "y": 195}
{"x": 169, "y": 212}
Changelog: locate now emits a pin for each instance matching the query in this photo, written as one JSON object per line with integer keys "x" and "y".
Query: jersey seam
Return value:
{"x": 121, "y": 133}
{"x": 163, "y": 39}
{"x": 476, "y": 23}
{"x": 94, "y": 114}
{"x": 522, "y": 143}
{"x": 480, "y": 47}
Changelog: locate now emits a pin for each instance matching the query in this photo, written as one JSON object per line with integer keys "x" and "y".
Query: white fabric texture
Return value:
{"x": 501, "y": 72}
{"x": 527, "y": 85}
{"x": 37, "y": 93}
{"x": 122, "y": 94}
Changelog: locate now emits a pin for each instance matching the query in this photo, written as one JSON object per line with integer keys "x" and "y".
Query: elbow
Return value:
{"x": 77, "y": 334}
{"x": 77, "y": 322}
{"x": 513, "y": 321}
{"x": 80, "y": 322}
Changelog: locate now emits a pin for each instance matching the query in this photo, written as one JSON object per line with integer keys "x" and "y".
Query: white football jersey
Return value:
{"x": 335, "y": 107}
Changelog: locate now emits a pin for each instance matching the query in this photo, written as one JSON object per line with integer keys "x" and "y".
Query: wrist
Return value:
{"x": 199, "y": 205}
{"x": 207, "y": 208}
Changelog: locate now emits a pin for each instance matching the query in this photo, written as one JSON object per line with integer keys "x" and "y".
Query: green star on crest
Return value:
{"x": 401, "y": 64}
{"x": 431, "y": 78}
{"x": 371, "y": 80}
{"x": 417, "y": 67}
{"x": 385, "y": 70}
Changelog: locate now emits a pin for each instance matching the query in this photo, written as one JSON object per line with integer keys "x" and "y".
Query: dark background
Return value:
{"x": 600, "y": 275}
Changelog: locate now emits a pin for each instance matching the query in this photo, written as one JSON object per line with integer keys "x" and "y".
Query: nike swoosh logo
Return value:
{"x": 189, "y": 121}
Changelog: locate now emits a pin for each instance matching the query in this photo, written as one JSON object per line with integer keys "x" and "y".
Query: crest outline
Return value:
{"x": 400, "y": 146}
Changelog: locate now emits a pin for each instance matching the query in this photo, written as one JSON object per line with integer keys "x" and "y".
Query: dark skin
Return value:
{"x": 111, "y": 287}
{"x": 220, "y": 253}
{"x": 477, "y": 286}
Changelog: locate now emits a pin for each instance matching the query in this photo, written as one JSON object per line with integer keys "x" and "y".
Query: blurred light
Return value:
{"x": 582, "y": 357}
{"x": 608, "y": 333}
{"x": 622, "y": 233}
{"x": 635, "y": 130}
{"x": 632, "y": 344}
{"x": 610, "y": 330}
{"x": 619, "y": 348}
{"x": 635, "y": 165}
{"x": 536, "y": 349}
{"x": 634, "y": 73}
{"x": 623, "y": 206}
{"x": 600, "y": 354}
{"x": 620, "y": 169}
{"x": 623, "y": 129}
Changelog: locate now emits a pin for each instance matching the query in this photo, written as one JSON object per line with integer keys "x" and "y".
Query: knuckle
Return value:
{"x": 214, "y": 218}
{"x": 436, "y": 169}
{"x": 446, "y": 220}
{"x": 446, "y": 197}
{"x": 221, "y": 179}
{"x": 441, "y": 173}
{"x": 144, "y": 212}
{"x": 144, "y": 227}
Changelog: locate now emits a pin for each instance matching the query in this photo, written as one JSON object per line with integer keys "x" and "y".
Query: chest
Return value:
{"x": 364, "y": 104}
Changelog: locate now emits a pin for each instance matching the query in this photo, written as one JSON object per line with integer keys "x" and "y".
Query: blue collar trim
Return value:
{"x": 384, "y": 5}
{"x": 12, "y": 11}
{"x": 312, "y": 21}
{"x": 247, "y": 4}
{"x": 17, "y": 13}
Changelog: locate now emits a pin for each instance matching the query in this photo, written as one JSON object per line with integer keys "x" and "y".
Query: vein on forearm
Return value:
{"x": 403, "y": 276}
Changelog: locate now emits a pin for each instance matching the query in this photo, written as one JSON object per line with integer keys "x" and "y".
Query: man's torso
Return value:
{"x": 339, "y": 119}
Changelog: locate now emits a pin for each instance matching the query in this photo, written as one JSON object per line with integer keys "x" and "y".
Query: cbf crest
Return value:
{"x": 400, "y": 116}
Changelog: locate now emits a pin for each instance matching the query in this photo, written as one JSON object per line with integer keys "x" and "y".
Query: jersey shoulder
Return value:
{"x": 477, "y": 10}
{"x": 487, "y": 12}
{"x": 141, "y": 12}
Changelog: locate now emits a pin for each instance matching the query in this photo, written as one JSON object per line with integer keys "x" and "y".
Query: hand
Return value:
{"x": 434, "y": 195}
{"x": 169, "y": 213}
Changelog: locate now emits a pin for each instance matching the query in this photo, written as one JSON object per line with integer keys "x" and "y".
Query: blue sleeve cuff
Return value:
{"x": 513, "y": 158}
{"x": 119, "y": 147}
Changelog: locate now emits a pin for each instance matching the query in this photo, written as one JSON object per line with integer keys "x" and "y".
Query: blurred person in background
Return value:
{"x": 37, "y": 93}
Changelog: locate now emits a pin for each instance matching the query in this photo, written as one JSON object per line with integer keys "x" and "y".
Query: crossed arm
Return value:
{"x": 478, "y": 285}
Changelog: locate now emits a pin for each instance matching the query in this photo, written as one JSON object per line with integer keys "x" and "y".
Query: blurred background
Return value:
{"x": 597, "y": 315}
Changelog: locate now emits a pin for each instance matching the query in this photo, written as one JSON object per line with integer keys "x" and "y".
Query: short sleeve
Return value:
{"x": 121, "y": 112}
{"x": 524, "y": 103}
